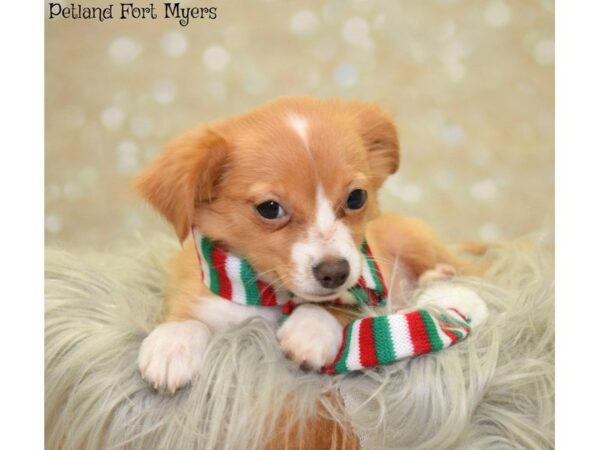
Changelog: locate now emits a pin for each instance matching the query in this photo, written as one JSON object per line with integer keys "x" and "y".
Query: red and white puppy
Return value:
{"x": 291, "y": 186}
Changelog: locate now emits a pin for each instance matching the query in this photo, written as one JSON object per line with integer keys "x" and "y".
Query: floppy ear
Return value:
{"x": 185, "y": 175}
{"x": 379, "y": 134}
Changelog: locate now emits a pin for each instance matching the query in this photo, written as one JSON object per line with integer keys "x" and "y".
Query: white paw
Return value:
{"x": 461, "y": 298}
{"x": 311, "y": 336}
{"x": 172, "y": 354}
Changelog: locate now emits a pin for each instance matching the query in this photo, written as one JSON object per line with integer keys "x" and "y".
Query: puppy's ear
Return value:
{"x": 186, "y": 174}
{"x": 379, "y": 134}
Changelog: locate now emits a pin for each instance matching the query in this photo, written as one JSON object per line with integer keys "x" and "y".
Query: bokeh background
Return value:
{"x": 470, "y": 83}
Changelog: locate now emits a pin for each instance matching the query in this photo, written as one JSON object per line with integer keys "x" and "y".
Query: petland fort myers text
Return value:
{"x": 131, "y": 11}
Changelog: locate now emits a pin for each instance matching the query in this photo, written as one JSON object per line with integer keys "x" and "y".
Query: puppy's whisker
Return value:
{"x": 259, "y": 274}
{"x": 279, "y": 282}
{"x": 379, "y": 259}
{"x": 282, "y": 282}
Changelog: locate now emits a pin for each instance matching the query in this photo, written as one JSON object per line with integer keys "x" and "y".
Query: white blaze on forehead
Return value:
{"x": 326, "y": 237}
{"x": 325, "y": 215}
{"x": 300, "y": 125}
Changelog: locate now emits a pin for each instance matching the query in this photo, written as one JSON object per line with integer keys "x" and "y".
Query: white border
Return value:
{"x": 22, "y": 238}
{"x": 577, "y": 223}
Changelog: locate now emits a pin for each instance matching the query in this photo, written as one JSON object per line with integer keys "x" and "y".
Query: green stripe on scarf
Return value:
{"x": 206, "y": 247}
{"x": 434, "y": 338}
{"x": 454, "y": 321}
{"x": 383, "y": 340}
{"x": 248, "y": 277}
{"x": 360, "y": 295}
{"x": 459, "y": 326}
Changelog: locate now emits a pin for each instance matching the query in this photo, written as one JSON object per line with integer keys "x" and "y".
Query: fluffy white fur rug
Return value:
{"x": 493, "y": 391}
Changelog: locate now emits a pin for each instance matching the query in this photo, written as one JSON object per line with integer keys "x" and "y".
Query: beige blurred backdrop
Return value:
{"x": 469, "y": 82}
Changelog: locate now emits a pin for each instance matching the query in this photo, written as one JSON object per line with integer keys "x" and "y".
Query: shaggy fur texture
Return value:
{"x": 495, "y": 390}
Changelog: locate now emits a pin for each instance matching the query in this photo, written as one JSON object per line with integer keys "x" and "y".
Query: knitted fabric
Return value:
{"x": 233, "y": 278}
{"x": 379, "y": 340}
{"x": 367, "y": 342}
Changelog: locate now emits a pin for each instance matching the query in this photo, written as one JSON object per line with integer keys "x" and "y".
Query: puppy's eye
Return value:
{"x": 270, "y": 210}
{"x": 356, "y": 199}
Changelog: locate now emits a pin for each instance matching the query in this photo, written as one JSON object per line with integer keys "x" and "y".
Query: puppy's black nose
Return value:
{"x": 332, "y": 273}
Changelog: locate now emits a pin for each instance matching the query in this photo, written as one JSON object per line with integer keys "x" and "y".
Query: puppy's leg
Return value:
{"x": 438, "y": 273}
{"x": 414, "y": 245}
{"x": 172, "y": 354}
{"x": 311, "y": 336}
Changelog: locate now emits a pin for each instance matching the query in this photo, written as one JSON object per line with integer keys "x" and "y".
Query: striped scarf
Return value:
{"x": 233, "y": 278}
{"x": 367, "y": 342}
{"x": 380, "y": 340}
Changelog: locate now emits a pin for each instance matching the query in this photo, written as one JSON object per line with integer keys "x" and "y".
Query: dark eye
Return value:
{"x": 270, "y": 210}
{"x": 356, "y": 199}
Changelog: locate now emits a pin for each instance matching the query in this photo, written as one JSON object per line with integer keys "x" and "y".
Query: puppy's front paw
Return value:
{"x": 311, "y": 336}
{"x": 172, "y": 354}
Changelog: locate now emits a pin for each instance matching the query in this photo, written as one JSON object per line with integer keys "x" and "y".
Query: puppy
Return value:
{"x": 292, "y": 188}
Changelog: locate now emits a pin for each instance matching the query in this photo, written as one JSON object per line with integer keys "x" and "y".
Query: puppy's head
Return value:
{"x": 289, "y": 186}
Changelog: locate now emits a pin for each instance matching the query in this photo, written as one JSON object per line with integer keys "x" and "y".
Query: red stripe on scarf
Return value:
{"x": 219, "y": 259}
{"x": 288, "y": 308}
{"x": 453, "y": 337}
{"x": 466, "y": 330}
{"x": 366, "y": 342}
{"x": 267, "y": 294}
{"x": 373, "y": 298}
{"x": 418, "y": 333}
{"x": 361, "y": 282}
